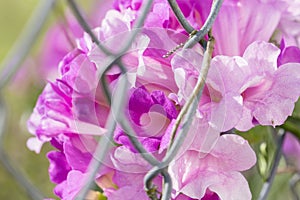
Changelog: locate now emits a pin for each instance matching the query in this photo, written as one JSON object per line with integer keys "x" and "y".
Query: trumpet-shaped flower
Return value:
{"x": 218, "y": 171}
{"x": 271, "y": 91}
{"x": 242, "y": 91}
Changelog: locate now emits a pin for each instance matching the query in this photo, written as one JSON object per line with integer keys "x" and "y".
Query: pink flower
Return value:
{"x": 68, "y": 105}
{"x": 69, "y": 164}
{"x": 270, "y": 91}
{"x": 60, "y": 38}
{"x": 238, "y": 24}
{"x": 243, "y": 91}
{"x": 288, "y": 54}
{"x": 241, "y": 22}
{"x": 221, "y": 102}
{"x": 130, "y": 169}
{"x": 68, "y": 189}
{"x": 150, "y": 115}
{"x": 289, "y": 23}
{"x": 218, "y": 171}
{"x": 73, "y": 108}
{"x": 291, "y": 150}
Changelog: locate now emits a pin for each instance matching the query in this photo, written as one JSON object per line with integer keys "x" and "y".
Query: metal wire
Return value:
{"x": 267, "y": 185}
{"x": 217, "y": 4}
{"x": 25, "y": 42}
{"x": 181, "y": 18}
{"x": 293, "y": 184}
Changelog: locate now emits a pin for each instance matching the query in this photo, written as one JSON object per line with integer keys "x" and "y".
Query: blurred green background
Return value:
{"x": 20, "y": 96}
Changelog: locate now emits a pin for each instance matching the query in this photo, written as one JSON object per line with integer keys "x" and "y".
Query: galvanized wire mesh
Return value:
{"x": 116, "y": 115}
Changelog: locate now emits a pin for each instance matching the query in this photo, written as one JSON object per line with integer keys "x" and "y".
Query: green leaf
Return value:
{"x": 102, "y": 197}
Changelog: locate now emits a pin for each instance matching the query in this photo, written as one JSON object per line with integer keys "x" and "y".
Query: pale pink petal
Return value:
{"x": 202, "y": 137}
{"x": 278, "y": 102}
{"x": 237, "y": 150}
{"x": 194, "y": 172}
{"x": 236, "y": 27}
{"x": 184, "y": 173}
{"x": 273, "y": 110}
{"x": 225, "y": 114}
{"x": 128, "y": 193}
{"x": 225, "y": 79}
{"x": 232, "y": 186}
{"x": 227, "y": 73}
{"x": 262, "y": 58}
{"x": 34, "y": 144}
{"x": 287, "y": 81}
{"x": 245, "y": 122}
{"x": 186, "y": 65}
{"x": 127, "y": 161}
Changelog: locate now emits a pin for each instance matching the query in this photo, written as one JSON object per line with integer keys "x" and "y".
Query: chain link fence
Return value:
{"x": 117, "y": 98}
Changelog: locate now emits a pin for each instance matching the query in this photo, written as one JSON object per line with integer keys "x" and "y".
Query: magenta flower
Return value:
{"x": 68, "y": 189}
{"x": 130, "y": 169}
{"x": 70, "y": 163}
{"x": 58, "y": 168}
{"x": 150, "y": 115}
{"x": 288, "y": 54}
{"x": 291, "y": 150}
{"x": 65, "y": 106}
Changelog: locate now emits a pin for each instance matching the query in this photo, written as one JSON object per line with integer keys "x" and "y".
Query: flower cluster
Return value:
{"x": 250, "y": 82}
